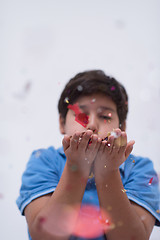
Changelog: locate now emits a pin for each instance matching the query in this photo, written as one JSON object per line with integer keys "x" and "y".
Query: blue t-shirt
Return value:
{"x": 45, "y": 167}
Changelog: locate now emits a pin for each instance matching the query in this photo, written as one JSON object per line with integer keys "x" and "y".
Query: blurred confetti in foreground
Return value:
{"x": 91, "y": 222}
{"x": 24, "y": 92}
{"x": 86, "y": 222}
{"x": 1, "y": 196}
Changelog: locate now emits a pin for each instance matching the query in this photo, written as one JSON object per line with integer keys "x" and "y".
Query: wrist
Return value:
{"x": 106, "y": 176}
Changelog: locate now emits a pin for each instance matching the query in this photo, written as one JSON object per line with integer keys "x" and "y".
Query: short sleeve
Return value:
{"x": 40, "y": 177}
{"x": 142, "y": 186}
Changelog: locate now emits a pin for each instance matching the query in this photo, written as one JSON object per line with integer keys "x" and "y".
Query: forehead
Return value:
{"x": 96, "y": 101}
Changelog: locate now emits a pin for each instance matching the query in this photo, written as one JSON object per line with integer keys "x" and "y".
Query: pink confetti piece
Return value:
{"x": 1, "y": 196}
{"x": 90, "y": 223}
{"x": 113, "y": 88}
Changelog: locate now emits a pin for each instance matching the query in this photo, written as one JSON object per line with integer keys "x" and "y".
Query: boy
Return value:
{"x": 62, "y": 189}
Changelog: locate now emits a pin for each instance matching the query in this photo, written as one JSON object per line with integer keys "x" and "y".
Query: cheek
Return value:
{"x": 73, "y": 126}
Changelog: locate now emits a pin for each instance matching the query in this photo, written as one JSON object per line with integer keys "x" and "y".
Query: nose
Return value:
{"x": 93, "y": 123}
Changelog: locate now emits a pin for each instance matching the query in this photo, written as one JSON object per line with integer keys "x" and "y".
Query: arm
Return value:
{"x": 52, "y": 216}
{"x": 126, "y": 217}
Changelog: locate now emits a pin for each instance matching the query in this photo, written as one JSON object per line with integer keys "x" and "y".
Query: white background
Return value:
{"x": 43, "y": 43}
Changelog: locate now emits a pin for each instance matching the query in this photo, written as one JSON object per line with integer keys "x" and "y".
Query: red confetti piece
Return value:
{"x": 150, "y": 181}
{"x": 80, "y": 117}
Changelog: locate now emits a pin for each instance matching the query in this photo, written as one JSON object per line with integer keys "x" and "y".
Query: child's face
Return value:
{"x": 102, "y": 113}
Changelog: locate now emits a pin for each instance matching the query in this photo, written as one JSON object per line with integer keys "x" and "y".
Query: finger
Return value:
{"x": 95, "y": 144}
{"x": 85, "y": 139}
{"x": 117, "y": 142}
{"x": 66, "y": 142}
{"x": 110, "y": 143}
{"x": 129, "y": 148}
{"x": 102, "y": 146}
{"x": 74, "y": 141}
{"x": 123, "y": 143}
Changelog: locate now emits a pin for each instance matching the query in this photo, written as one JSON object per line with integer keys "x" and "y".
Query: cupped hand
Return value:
{"x": 113, "y": 152}
{"x": 81, "y": 150}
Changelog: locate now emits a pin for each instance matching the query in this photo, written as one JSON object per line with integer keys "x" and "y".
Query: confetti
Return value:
{"x": 74, "y": 168}
{"x": 61, "y": 223}
{"x": 112, "y": 88}
{"x": 23, "y": 93}
{"x": 133, "y": 161}
{"x": 112, "y": 226}
{"x": 66, "y": 100}
{"x": 1, "y": 196}
{"x": 93, "y": 100}
{"x": 90, "y": 223}
{"x": 114, "y": 134}
{"x": 80, "y": 117}
{"x": 79, "y": 88}
{"x": 37, "y": 154}
{"x": 91, "y": 175}
{"x": 158, "y": 211}
{"x": 124, "y": 190}
{"x": 150, "y": 181}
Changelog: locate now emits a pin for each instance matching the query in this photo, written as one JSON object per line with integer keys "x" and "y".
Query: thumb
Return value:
{"x": 66, "y": 142}
{"x": 129, "y": 148}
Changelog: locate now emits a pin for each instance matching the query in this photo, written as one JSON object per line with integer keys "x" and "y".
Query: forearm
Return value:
{"x": 126, "y": 224}
{"x": 62, "y": 207}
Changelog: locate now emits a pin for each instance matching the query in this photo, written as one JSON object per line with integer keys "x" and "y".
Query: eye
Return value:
{"x": 105, "y": 117}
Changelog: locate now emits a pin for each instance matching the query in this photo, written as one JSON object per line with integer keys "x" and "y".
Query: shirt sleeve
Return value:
{"x": 40, "y": 177}
{"x": 142, "y": 186}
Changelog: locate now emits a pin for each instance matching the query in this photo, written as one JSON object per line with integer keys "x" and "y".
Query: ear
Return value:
{"x": 123, "y": 126}
{"x": 61, "y": 124}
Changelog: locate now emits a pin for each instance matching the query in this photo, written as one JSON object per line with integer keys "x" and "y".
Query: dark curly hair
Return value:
{"x": 90, "y": 82}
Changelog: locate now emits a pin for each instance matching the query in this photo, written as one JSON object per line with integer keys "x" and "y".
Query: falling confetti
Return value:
{"x": 60, "y": 223}
{"x": 91, "y": 175}
{"x": 79, "y": 88}
{"x": 80, "y": 117}
{"x": 93, "y": 100}
{"x": 66, "y": 100}
{"x": 37, "y": 154}
{"x": 1, "y": 196}
{"x": 74, "y": 168}
{"x": 90, "y": 223}
{"x": 124, "y": 190}
{"x": 22, "y": 94}
{"x": 113, "y": 88}
{"x": 150, "y": 181}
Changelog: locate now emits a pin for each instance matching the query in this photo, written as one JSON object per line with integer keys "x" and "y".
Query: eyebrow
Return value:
{"x": 103, "y": 108}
